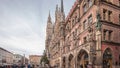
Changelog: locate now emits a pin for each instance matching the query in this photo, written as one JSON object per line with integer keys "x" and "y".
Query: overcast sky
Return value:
{"x": 23, "y": 24}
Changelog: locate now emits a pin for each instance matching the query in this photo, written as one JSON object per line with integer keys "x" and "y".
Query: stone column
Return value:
{"x": 98, "y": 61}
{"x": 61, "y": 62}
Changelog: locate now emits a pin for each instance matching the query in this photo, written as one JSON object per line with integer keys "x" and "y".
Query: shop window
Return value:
{"x": 90, "y": 20}
{"x": 109, "y": 15}
{"x": 104, "y": 14}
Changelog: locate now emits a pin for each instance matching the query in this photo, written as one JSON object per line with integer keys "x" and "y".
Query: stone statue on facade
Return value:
{"x": 98, "y": 23}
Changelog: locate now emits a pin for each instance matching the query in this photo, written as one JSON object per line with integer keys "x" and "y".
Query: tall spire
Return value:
{"x": 62, "y": 7}
{"x": 49, "y": 17}
{"x": 57, "y": 8}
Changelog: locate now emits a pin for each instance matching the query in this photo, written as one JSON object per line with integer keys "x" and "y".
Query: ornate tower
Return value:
{"x": 56, "y": 13}
{"x": 62, "y": 7}
{"x": 62, "y": 11}
{"x": 62, "y": 19}
{"x": 62, "y": 31}
{"x": 49, "y": 31}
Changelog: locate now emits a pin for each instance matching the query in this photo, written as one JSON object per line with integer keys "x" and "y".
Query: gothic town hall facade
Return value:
{"x": 88, "y": 37}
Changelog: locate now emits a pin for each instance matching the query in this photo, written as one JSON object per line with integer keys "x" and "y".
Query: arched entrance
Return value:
{"x": 70, "y": 64}
{"x": 107, "y": 58}
{"x": 82, "y": 59}
{"x": 64, "y": 62}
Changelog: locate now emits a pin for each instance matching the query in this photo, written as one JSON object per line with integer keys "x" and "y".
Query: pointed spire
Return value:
{"x": 62, "y": 7}
{"x": 57, "y": 8}
{"x": 49, "y": 17}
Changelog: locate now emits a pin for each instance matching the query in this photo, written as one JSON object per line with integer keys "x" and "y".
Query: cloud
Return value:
{"x": 23, "y": 24}
{"x": 20, "y": 29}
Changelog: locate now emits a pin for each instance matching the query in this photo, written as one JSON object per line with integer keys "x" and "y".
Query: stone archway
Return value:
{"x": 107, "y": 58}
{"x": 70, "y": 61}
{"x": 82, "y": 59}
{"x": 64, "y": 62}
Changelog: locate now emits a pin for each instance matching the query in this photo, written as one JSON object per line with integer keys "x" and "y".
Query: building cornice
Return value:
{"x": 110, "y": 4}
{"x": 111, "y": 43}
{"x": 110, "y": 24}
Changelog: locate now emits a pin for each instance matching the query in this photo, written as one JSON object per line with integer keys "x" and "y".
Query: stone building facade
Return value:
{"x": 20, "y": 59}
{"x": 6, "y": 57}
{"x": 35, "y": 60}
{"x": 88, "y": 37}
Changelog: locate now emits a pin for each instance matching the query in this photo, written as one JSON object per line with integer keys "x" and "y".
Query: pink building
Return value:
{"x": 88, "y": 37}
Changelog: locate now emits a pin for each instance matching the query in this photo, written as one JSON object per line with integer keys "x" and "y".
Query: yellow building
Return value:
{"x": 35, "y": 60}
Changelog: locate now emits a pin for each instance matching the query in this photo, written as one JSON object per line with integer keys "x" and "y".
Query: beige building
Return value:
{"x": 6, "y": 57}
{"x": 20, "y": 59}
{"x": 88, "y": 37}
{"x": 35, "y": 60}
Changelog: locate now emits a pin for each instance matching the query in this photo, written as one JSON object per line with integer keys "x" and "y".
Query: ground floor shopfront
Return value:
{"x": 83, "y": 57}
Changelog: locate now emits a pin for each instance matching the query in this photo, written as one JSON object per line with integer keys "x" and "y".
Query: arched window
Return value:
{"x": 82, "y": 59}
{"x": 107, "y": 58}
